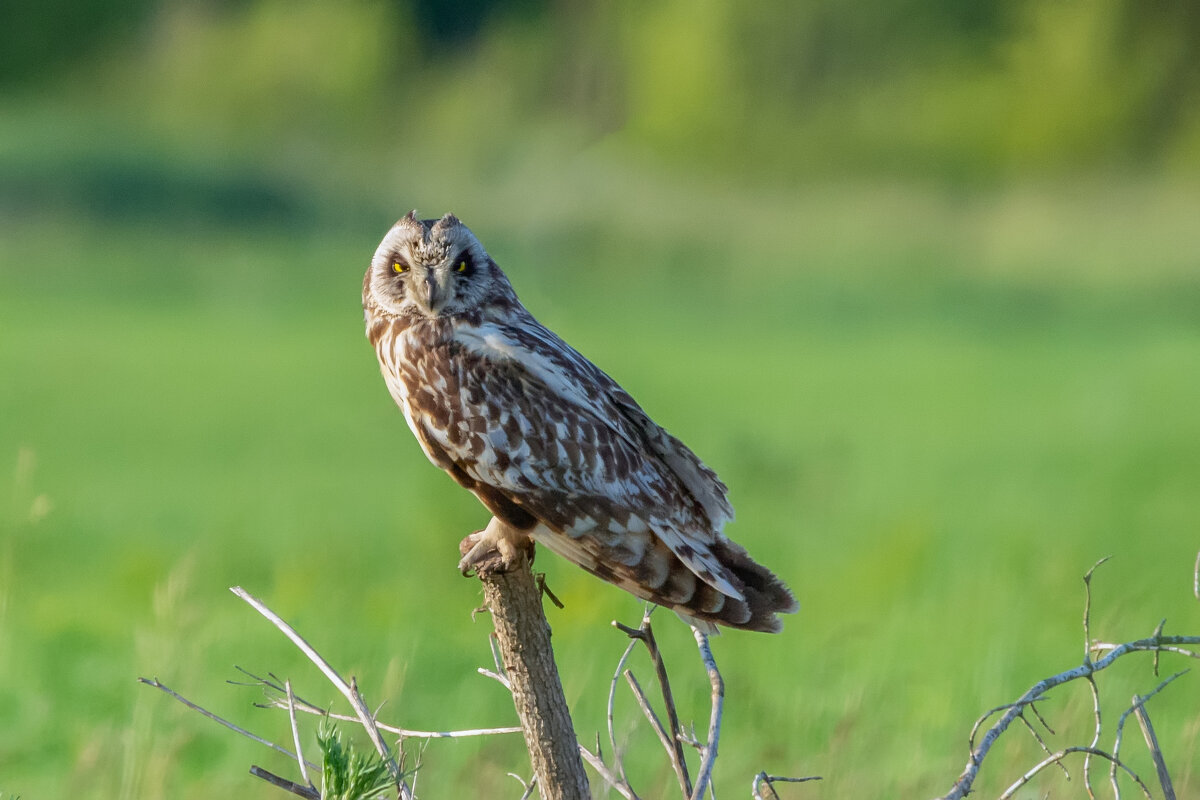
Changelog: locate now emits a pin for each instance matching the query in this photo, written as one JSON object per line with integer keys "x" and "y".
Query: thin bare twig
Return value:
{"x": 1158, "y": 643}
{"x": 612, "y": 698}
{"x": 648, "y": 712}
{"x": 291, "y": 706}
{"x": 1160, "y": 764}
{"x": 769, "y": 781}
{"x": 1087, "y": 757}
{"x": 1059, "y": 756}
{"x": 1087, "y": 609}
{"x": 671, "y": 739}
{"x": 709, "y": 754}
{"x": 1138, "y": 703}
{"x": 1038, "y": 738}
{"x": 350, "y": 691}
{"x": 300, "y": 704}
{"x": 494, "y": 646}
{"x": 527, "y": 786}
{"x": 283, "y": 783}
{"x": 496, "y": 676}
{"x": 615, "y": 781}
{"x": 155, "y": 683}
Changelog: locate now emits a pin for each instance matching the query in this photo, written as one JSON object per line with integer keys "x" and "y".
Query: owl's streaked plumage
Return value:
{"x": 552, "y": 446}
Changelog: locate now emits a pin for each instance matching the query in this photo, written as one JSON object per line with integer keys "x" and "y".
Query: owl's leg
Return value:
{"x": 496, "y": 548}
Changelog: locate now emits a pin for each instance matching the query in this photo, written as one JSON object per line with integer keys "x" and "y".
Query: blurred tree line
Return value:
{"x": 969, "y": 91}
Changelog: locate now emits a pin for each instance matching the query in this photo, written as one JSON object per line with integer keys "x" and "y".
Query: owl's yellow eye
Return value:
{"x": 462, "y": 266}
{"x": 399, "y": 266}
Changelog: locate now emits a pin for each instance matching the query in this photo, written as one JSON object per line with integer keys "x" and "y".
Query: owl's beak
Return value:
{"x": 432, "y": 293}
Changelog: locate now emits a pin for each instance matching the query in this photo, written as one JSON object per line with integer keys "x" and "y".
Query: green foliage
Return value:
{"x": 778, "y": 90}
{"x": 348, "y": 773}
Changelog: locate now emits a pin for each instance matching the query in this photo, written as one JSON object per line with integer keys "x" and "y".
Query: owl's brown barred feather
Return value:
{"x": 549, "y": 443}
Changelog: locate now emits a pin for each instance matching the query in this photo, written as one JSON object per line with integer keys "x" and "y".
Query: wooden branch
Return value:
{"x": 524, "y": 638}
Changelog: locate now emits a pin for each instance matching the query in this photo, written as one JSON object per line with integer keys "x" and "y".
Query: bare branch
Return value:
{"x": 350, "y": 691}
{"x": 291, "y": 706}
{"x": 612, "y": 698}
{"x": 615, "y": 781}
{"x": 300, "y": 704}
{"x": 709, "y": 754}
{"x": 1138, "y": 703}
{"x": 763, "y": 779}
{"x": 673, "y": 748}
{"x": 1087, "y": 758}
{"x": 1157, "y": 643}
{"x": 155, "y": 683}
{"x": 285, "y": 784}
{"x": 1087, "y": 608}
{"x": 1160, "y": 765}
{"x": 496, "y": 676}
{"x": 671, "y": 740}
{"x": 1059, "y": 756}
{"x": 404, "y": 733}
{"x": 527, "y": 786}
{"x": 1160, "y": 644}
{"x": 1038, "y": 737}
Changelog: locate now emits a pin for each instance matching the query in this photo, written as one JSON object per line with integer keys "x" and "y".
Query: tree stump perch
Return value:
{"x": 523, "y": 634}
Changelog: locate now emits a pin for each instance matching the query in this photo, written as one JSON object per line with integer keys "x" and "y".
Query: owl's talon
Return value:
{"x": 487, "y": 554}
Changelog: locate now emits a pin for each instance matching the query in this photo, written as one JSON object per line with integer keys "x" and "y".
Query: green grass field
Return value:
{"x": 934, "y": 414}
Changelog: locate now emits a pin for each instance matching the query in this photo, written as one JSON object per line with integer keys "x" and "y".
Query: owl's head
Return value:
{"x": 433, "y": 268}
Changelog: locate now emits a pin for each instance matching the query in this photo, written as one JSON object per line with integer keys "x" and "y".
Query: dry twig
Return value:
{"x": 220, "y": 720}
{"x": 764, "y": 781}
{"x": 283, "y": 783}
{"x": 300, "y": 704}
{"x": 1157, "y": 643}
{"x": 709, "y": 752}
{"x": 350, "y": 691}
{"x": 671, "y": 740}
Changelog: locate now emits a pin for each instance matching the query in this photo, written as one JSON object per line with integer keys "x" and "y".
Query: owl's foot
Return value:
{"x": 496, "y": 548}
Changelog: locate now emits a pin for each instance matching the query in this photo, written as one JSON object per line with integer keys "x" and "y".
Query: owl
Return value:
{"x": 557, "y": 451}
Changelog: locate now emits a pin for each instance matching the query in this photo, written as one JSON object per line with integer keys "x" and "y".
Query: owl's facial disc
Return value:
{"x": 433, "y": 268}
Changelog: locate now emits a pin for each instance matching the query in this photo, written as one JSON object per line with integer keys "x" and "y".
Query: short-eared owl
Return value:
{"x": 556, "y": 450}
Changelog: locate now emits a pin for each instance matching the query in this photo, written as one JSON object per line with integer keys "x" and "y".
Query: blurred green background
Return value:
{"x": 921, "y": 280}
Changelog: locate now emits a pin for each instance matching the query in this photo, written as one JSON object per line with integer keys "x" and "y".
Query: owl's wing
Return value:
{"x": 710, "y": 492}
{"x": 524, "y": 414}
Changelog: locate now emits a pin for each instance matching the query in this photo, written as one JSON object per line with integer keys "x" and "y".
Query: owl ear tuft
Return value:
{"x": 412, "y": 215}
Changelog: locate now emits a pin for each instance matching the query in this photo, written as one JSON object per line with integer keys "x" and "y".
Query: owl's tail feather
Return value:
{"x": 659, "y": 575}
{"x": 766, "y": 596}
